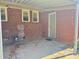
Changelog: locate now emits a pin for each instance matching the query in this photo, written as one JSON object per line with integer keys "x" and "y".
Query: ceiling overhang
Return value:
{"x": 41, "y": 5}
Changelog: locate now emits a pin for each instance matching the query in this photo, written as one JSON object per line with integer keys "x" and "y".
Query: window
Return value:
{"x": 35, "y": 16}
{"x": 3, "y": 13}
{"x": 25, "y": 16}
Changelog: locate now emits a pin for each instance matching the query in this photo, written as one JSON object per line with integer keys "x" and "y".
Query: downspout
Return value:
{"x": 1, "y": 45}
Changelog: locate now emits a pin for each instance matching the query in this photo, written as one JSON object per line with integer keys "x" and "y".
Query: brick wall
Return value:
{"x": 65, "y": 25}
{"x": 31, "y": 29}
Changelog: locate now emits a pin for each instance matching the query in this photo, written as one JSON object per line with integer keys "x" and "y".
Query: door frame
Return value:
{"x": 49, "y": 22}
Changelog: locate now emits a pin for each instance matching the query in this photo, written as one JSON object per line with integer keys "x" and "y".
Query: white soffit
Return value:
{"x": 41, "y": 4}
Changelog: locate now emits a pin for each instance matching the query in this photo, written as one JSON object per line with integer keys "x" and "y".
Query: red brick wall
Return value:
{"x": 31, "y": 29}
{"x": 44, "y": 23}
{"x": 14, "y": 18}
{"x": 65, "y": 25}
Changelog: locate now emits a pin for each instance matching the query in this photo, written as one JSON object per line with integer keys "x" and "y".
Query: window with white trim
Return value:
{"x": 35, "y": 16}
{"x": 25, "y": 16}
{"x": 3, "y": 14}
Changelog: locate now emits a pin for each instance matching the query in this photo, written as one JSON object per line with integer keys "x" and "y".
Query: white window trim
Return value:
{"x": 28, "y": 15}
{"x": 37, "y": 16}
{"x": 6, "y": 19}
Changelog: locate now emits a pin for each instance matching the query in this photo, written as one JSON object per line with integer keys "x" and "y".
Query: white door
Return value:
{"x": 52, "y": 25}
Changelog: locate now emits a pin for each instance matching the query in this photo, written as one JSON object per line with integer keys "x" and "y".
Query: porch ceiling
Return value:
{"x": 40, "y": 4}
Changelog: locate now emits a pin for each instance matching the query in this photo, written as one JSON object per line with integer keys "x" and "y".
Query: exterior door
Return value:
{"x": 52, "y": 25}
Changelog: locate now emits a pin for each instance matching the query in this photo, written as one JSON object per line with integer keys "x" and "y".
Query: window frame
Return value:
{"x": 28, "y": 11}
{"x": 5, "y": 8}
{"x": 37, "y": 16}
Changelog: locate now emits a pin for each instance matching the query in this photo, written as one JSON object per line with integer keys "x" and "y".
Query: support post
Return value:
{"x": 1, "y": 45}
{"x": 76, "y": 29}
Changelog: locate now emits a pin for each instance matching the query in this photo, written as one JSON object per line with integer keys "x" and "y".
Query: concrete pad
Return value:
{"x": 35, "y": 49}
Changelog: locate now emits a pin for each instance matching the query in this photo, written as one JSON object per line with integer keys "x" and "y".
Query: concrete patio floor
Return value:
{"x": 34, "y": 50}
